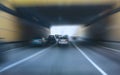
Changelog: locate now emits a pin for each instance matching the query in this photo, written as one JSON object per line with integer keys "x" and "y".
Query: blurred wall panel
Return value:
{"x": 114, "y": 29}
{"x": 115, "y": 25}
{"x": 9, "y": 28}
{"x": 13, "y": 29}
{"x": 106, "y": 29}
{"x": 98, "y": 31}
{"x": 32, "y": 31}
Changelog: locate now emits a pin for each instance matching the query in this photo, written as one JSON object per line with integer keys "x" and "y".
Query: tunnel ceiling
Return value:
{"x": 54, "y": 15}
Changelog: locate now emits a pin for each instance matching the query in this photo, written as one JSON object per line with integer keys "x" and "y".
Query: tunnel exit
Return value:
{"x": 70, "y": 30}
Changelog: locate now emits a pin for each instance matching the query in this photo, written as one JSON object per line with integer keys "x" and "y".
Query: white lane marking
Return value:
{"x": 90, "y": 60}
{"x": 110, "y": 48}
{"x": 25, "y": 59}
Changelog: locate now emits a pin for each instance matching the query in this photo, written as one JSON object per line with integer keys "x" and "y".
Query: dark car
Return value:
{"x": 58, "y": 36}
{"x": 50, "y": 40}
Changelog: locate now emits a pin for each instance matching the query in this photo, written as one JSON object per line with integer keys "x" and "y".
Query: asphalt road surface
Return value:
{"x": 54, "y": 60}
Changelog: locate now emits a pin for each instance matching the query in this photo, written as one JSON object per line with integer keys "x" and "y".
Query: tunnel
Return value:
{"x": 87, "y": 43}
{"x": 45, "y": 17}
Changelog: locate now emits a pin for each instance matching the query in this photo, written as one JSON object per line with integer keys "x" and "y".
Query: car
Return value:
{"x": 65, "y": 36}
{"x": 51, "y": 40}
{"x": 63, "y": 41}
{"x": 38, "y": 42}
{"x": 58, "y": 36}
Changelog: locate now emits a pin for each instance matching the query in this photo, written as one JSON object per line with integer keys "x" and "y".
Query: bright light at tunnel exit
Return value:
{"x": 69, "y": 30}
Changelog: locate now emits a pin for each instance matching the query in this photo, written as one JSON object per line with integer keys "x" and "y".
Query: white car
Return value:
{"x": 63, "y": 42}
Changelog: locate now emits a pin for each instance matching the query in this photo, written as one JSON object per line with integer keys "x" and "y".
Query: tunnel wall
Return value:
{"x": 9, "y": 28}
{"x": 12, "y": 29}
{"x": 98, "y": 31}
{"x": 113, "y": 32}
{"x": 32, "y": 31}
{"x": 14, "y": 33}
{"x": 95, "y": 32}
{"x": 114, "y": 28}
{"x": 9, "y": 31}
{"x": 107, "y": 29}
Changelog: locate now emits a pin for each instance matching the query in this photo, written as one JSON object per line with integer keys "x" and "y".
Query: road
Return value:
{"x": 72, "y": 60}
